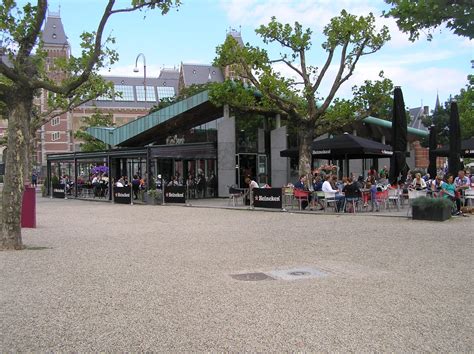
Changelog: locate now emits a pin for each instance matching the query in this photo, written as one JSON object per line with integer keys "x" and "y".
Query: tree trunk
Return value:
{"x": 15, "y": 168}
{"x": 306, "y": 136}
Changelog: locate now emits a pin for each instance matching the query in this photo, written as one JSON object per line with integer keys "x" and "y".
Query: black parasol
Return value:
{"x": 432, "y": 151}
{"x": 454, "y": 157}
{"x": 398, "y": 166}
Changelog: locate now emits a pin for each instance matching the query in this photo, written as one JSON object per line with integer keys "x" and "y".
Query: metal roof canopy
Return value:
{"x": 182, "y": 115}
{"x": 97, "y": 154}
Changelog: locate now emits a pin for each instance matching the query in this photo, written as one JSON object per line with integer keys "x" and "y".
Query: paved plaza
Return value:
{"x": 104, "y": 277}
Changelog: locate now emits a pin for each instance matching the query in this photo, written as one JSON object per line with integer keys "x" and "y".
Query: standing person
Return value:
{"x": 252, "y": 184}
{"x": 135, "y": 186}
{"x": 34, "y": 179}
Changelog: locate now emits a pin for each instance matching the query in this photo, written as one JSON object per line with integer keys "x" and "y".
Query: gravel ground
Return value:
{"x": 102, "y": 277}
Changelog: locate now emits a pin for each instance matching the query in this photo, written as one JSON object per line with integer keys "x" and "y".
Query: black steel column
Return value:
{"x": 75, "y": 175}
{"x": 149, "y": 175}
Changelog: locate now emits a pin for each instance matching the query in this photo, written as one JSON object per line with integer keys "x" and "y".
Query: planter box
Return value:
{"x": 432, "y": 214}
{"x": 152, "y": 200}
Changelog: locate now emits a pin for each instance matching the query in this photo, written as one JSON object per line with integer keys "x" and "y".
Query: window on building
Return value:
{"x": 165, "y": 92}
{"x": 55, "y": 121}
{"x": 150, "y": 93}
{"x": 55, "y": 136}
{"x": 126, "y": 93}
{"x": 104, "y": 98}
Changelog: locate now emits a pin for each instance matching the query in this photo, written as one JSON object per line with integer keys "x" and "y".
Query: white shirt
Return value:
{"x": 253, "y": 184}
{"x": 327, "y": 187}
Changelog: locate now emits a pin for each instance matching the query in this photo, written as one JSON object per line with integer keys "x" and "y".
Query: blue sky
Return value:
{"x": 192, "y": 33}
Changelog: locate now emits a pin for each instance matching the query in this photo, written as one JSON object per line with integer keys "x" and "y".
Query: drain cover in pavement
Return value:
{"x": 297, "y": 273}
{"x": 251, "y": 276}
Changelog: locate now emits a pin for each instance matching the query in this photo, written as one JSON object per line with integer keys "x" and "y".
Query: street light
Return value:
{"x": 135, "y": 70}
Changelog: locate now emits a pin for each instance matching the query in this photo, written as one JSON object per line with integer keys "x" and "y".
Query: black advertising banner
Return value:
{"x": 123, "y": 195}
{"x": 175, "y": 194}
{"x": 267, "y": 198}
{"x": 58, "y": 191}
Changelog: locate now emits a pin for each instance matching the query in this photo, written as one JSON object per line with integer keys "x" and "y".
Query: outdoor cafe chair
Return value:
{"x": 468, "y": 197}
{"x": 330, "y": 198}
{"x": 394, "y": 196}
{"x": 354, "y": 200}
{"x": 301, "y": 196}
{"x": 413, "y": 194}
{"x": 236, "y": 195}
{"x": 288, "y": 197}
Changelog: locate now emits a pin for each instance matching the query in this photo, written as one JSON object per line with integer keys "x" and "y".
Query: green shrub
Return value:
{"x": 426, "y": 202}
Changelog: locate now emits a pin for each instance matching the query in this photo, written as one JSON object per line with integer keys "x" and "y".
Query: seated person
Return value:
{"x": 327, "y": 188}
{"x": 351, "y": 190}
{"x": 302, "y": 185}
{"x": 418, "y": 183}
{"x": 462, "y": 181}
{"x": 383, "y": 180}
{"x": 450, "y": 191}
{"x": 437, "y": 184}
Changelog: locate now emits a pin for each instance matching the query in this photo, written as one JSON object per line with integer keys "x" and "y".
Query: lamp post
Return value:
{"x": 135, "y": 70}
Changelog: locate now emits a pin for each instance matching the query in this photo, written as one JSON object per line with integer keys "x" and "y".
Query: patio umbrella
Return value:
{"x": 432, "y": 151}
{"x": 467, "y": 149}
{"x": 398, "y": 166}
{"x": 454, "y": 157}
{"x": 347, "y": 146}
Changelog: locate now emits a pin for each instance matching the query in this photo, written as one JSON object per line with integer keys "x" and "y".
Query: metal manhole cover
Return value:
{"x": 298, "y": 273}
{"x": 251, "y": 276}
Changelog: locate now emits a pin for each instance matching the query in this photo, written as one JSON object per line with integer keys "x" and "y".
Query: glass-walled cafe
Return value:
{"x": 91, "y": 175}
{"x": 188, "y": 158}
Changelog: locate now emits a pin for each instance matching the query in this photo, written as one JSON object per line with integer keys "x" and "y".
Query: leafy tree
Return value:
{"x": 466, "y": 109}
{"x": 414, "y": 17}
{"x": 97, "y": 119}
{"x": 374, "y": 98}
{"x": 440, "y": 116}
{"x": 75, "y": 78}
{"x": 440, "y": 119}
{"x": 347, "y": 37}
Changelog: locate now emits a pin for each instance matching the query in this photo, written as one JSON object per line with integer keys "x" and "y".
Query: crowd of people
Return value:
{"x": 325, "y": 180}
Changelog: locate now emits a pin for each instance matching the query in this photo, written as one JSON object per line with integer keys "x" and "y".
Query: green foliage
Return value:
{"x": 95, "y": 120}
{"x": 374, "y": 98}
{"x": 465, "y": 101}
{"x": 440, "y": 116}
{"x": 414, "y": 17}
{"x": 440, "y": 119}
{"x": 427, "y": 202}
{"x": 255, "y": 86}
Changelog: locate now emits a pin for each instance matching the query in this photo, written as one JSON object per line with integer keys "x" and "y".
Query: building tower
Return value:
{"x": 54, "y": 136}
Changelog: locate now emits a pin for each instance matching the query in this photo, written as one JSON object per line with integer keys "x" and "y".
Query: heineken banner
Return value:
{"x": 123, "y": 195}
{"x": 58, "y": 191}
{"x": 175, "y": 194}
{"x": 267, "y": 198}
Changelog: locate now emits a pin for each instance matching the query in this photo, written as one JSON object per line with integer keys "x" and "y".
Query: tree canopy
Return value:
{"x": 414, "y": 17}
{"x": 255, "y": 85}
{"x": 97, "y": 119}
{"x": 68, "y": 81}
